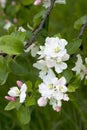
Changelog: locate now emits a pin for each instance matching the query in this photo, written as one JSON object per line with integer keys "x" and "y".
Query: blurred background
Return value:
{"x": 73, "y": 115}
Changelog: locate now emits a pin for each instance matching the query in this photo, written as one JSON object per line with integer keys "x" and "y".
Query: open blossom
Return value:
{"x": 52, "y": 55}
{"x": 7, "y": 25}
{"x": 47, "y": 3}
{"x": 16, "y": 92}
{"x": 80, "y": 68}
{"x": 53, "y": 90}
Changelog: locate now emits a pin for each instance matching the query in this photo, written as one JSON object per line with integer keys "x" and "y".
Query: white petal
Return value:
{"x": 42, "y": 101}
{"x": 14, "y": 92}
{"x": 22, "y": 97}
{"x": 23, "y": 88}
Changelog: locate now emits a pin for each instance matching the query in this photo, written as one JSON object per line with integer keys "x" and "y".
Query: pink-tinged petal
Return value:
{"x": 10, "y": 98}
{"x": 57, "y": 109}
{"x": 37, "y": 2}
{"x": 19, "y": 83}
{"x": 42, "y": 101}
{"x": 85, "y": 71}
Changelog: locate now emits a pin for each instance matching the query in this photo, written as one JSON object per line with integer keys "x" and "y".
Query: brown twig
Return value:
{"x": 82, "y": 30}
{"x": 40, "y": 26}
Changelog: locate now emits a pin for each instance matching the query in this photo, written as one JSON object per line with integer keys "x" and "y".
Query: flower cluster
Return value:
{"x": 52, "y": 55}
{"x": 47, "y": 3}
{"x": 16, "y": 92}
{"x": 80, "y": 68}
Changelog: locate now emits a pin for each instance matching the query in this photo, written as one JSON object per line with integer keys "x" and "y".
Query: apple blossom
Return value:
{"x": 52, "y": 55}
{"x": 54, "y": 90}
{"x": 79, "y": 67}
{"x": 15, "y": 92}
{"x": 7, "y": 25}
{"x": 47, "y": 3}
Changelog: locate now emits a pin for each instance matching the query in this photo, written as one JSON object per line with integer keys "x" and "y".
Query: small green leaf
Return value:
{"x": 30, "y": 101}
{"x": 3, "y": 70}
{"x": 71, "y": 88}
{"x": 73, "y": 46}
{"x": 19, "y": 35}
{"x": 74, "y": 84}
{"x": 67, "y": 74}
{"x": 29, "y": 86}
{"x": 23, "y": 115}
{"x": 80, "y": 22}
{"x": 26, "y": 2}
{"x": 11, "y": 45}
{"x": 11, "y": 105}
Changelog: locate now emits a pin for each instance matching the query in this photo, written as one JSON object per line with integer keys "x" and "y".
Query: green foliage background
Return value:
{"x": 74, "y": 113}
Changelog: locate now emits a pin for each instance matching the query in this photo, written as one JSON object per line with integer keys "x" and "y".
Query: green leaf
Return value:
{"x": 29, "y": 86}
{"x": 19, "y": 66}
{"x": 3, "y": 70}
{"x": 23, "y": 115}
{"x": 74, "y": 84}
{"x": 67, "y": 74}
{"x": 30, "y": 101}
{"x": 80, "y": 22}
{"x": 11, "y": 45}
{"x": 19, "y": 35}
{"x": 11, "y": 105}
{"x": 27, "y": 2}
{"x": 73, "y": 46}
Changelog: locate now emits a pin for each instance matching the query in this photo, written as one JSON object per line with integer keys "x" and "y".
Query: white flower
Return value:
{"x": 55, "y": 47}
{"x": 2, "y": 3}
{"x": 16, "y": 92}
{"x": 79, "y": 67}
{"x": 54, "y": 90}
{"x": 47, "y": 3}
{"x": 7, "y": 25}
{"x": 33, "y": 48}
{"x": 23, "y": 90}
{"x": 21, "y": 29}
{"x": 52, "y": 55}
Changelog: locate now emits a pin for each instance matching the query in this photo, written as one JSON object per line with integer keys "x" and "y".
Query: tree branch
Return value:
{"x": 82, "y": 30}
{"x": 38, "y": 29}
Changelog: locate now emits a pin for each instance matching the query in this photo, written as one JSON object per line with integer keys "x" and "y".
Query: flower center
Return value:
{"x": 50, "y": 86}
{"x": 56, "y": 50}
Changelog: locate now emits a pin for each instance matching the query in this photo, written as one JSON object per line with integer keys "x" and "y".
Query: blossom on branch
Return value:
{"x": 16, "y": 92}
{"x": 80, "y": 68}
{"x": 52, "y": 55}
{"x": 53, "y": 90}
{"x": 47, "y": 3}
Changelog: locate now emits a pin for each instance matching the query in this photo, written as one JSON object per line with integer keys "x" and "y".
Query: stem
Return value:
{"x": 40, "y": 26}
{"x": 82, "y": 30}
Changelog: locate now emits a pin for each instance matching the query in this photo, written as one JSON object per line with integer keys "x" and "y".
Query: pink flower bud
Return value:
{"x": 37, "y": 2}
{"x": 13, "y": 3}
{"x": 10, "y": 98}
{"x": 42, "y": 101}
{"x": 85, "y": 71}
{"x": 15, "y": 20}
{"x": 7, "y": 21}
{"x": 19, "y": 83}
{"x": 57, "y": 108}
